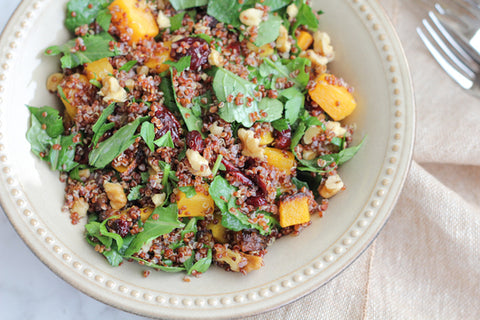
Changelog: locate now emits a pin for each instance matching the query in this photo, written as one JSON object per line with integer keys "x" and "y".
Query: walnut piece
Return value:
{"x": 198, "y": 163}
{"x": 251, "y": 145}
{"x": 115, "y": 194}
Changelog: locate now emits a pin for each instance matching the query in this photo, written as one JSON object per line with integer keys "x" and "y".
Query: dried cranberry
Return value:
{"x": 120, "y": 227}
{"x": 168, "y": 122}
{"x": 234, "y": 47}
{"x": 257, "y": 201}
{"x": 195, "y": 141}
{"x": 283, "y": 139}
{"x": 240, "y": 177}
{"x": 197, "y": 48}
{"x": 228, "y": 165}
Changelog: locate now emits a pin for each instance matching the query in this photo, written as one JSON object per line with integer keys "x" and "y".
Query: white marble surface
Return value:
{"x": 28, "y": 289}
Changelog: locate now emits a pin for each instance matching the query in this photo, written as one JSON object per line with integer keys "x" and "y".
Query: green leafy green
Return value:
{"x": 128, "y": 66}
{"x": 176, "y": 21}
{"x": 99, "y": 128}
{"x": 201, "y": 265}
{"x": 104, "y": 19}
{"x": 134, "y": 193}
{"x": 82, "y": 12}
{"x": 49, "y": 117}
{"x": 147, "y": 132}
{"x": 193, "y": 122}
{"x": 306, "y": 16}
{"x": 96, "y": 47}
{"x": 186, "y": 4}
{"x": 268, "y": 30}
{"x": 188, "y": 190}
{"x": 294, "y": 105}
{"x": 227, "y": 11}
{"x": 111, "y": 148}
{"x": 217, "y": 164}
{"x": 165, "y": 141}
{"x": 62, "y": 153}
{"x": 181, "y": 64}
{"x": 293, "y": 70}
{"x": 166, "y": 223}
{"x": 158, "y": 267}
{"x": 115, "y": 236}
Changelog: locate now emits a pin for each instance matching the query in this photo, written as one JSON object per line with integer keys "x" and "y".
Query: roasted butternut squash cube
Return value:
{"x": 304, "y": 40}
{"x": 73, "y": 93}
{"x": 280, "y": 159}
{"x": 97, "y": 70}
{"x": 264, "y": 51}
{"x": 266, "y": 138}
{"x": 294, "y": 210}
{"x": 133, "y": 19}
{"x": 218, "y": 230}
{"x": 157, "y": 61}
{"x": 199, "y": 205}
{"x": 145, "y": 213}
{"x": 330, "y": 94}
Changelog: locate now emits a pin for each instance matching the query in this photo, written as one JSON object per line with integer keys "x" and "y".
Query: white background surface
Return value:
{"x": 28, "y": 289}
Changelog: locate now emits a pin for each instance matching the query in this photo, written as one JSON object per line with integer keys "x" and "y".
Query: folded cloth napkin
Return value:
{"x": 425, "y": 263}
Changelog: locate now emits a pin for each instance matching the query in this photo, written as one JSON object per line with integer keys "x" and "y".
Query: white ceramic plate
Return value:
{"x": 369, "y": 57}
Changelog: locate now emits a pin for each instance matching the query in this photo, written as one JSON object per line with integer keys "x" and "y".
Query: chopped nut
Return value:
{"x": 332, "y": 186}
{"x": 283, "y": 45}
{"x": 85, "y": 173}
{"x": 53, "y": 81}
{"x": 143, "y": 70}
{"x": 80, "y": 206}
{"x": 322, "y": 46}
{"x": 198, "y": 163}
{"x": 251, "y": 17}
{"x": 115, "y": 194}
{"x": 163, "y": 21}
{"x": 216, "y": 59}
{"x": 311, "y": 132}
{"x": 251, "y": 145}
{"x": 309, "y": 155}
{"x": 161, "y": 4}
{"x": 292, "y": 11}
{"x": 112, "y": 91}
{"x": 316, "y": 59}
{"x": 130, "y": 84}
{"x": 215, "y": 129}
{"x": 158, "y": 199}
{"x": 254, "y": 262}
{"x": 336, "y": 128}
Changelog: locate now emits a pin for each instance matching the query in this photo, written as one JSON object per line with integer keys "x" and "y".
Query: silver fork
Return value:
{"x": 450, "y": 54}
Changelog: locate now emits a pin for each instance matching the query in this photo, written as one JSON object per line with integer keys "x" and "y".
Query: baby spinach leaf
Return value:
{"x": 134, "y": 193}
{"x": 274, "y": 5}
{"x": 176, "y": 21}
{"x": 189, "y": 191}
{"x": 227, "y": 84}
{"x": 49, "y": 117}
{"x": 268, "y": 30}
{"x": 202, "y": 265}
{"x": 221, "y": 192}
{"x": 128, "y": 66}
{"x": 111, "y": 148}
{"x": 272, "y": 109}
{"x": 191, "y": 121}
{"x": 104, "y": 18}
{"x": 165, "y": 141}
{"x": 293, "y": 70}
{"x": 294, "y": 105}
{"x": 62, "y": 153}
{"x": 99, "y": 128}
{"x": 348, "y": 153}
{"x": 299, "y": 183}
{"x": 186, "y": 4}
{"x": 190, "y": 227}
{"x": 114, "y": 258}
{"x": 166, "y": 223}
{"x": 158, "y": 267}
{"x": 280, "y": 124}
{"x": 97, "y": 47}
{"x": 227, "y": 11}
{"x": 181, "y": 64}
{"x": 93, "y": 230}
{"x": 115, "y": 236}
{"x": 147, "y": 132}
{"x": 81, "y": 12}
{"x": 306, "y": 17}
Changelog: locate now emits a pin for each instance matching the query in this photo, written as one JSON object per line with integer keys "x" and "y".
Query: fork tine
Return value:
{"x": 457, "y": 76}
{"x": 447, "y": 50}
{"x": 467, "y": 59}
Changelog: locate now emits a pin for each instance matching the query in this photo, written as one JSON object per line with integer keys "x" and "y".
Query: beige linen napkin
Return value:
{"x": 425, "y": 264}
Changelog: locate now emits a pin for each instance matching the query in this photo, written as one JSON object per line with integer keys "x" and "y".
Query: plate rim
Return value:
{"x": 11, "y": 207}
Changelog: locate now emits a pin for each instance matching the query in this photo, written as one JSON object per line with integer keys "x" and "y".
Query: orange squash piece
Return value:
{"x": 133, "y": 19}
{"x": 72, "y": 93}
{"x": 145, "y": 213}
{"x": 218, "y": 230}
{"x": 264, "y": 51}
{"x": 294, "y": 210}
{"x": 280, "y": 159}
{"x": 266, "y": 138}
{"x": 337, "y": 101}
{"x": 97, "y": 70}
{"x": 157, "y": 61}
{"x": 304, "y": 40}
{"x": 197, "y": 206}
